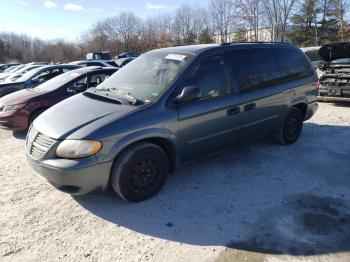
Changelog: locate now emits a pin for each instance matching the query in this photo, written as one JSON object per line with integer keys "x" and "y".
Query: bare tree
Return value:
{"x": 250, "y": 14}
{"x": 188, "y": 24}
{"x": 222, "y": 17}
{"x": 277, "y": 14}
{"x": 122, "y": 29}
{"x": 339, "y": 12}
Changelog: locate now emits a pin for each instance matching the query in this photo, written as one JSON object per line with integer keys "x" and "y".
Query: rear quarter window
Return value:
{"x": 293, "y": 64}
{"x": 255, "y": 68}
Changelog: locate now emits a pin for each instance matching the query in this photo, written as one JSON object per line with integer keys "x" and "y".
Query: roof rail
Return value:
{"x": 255, "y": 42}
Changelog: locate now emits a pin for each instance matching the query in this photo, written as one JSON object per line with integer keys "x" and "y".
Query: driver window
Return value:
{"x": 210, "y": 76}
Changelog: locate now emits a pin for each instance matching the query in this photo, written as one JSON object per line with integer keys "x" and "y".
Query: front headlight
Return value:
{"x": 13, "y": 107}
{"x": 78, "y": 148}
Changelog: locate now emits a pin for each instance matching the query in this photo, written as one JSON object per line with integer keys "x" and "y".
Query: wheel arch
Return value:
{"x": 162, "y": 138}
{"x": 302, "y": 106}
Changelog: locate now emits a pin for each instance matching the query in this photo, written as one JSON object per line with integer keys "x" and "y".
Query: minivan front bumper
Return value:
{"x": 76, "y": 180}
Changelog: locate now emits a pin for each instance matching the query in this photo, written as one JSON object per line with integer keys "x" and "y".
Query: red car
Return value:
{"x": 19, "y": 109}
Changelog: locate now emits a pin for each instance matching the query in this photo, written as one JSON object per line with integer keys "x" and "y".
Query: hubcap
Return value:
{"x": 144, "y": 174}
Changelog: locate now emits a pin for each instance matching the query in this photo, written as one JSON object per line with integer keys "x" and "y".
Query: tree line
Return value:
{"x": 301, "y": 22}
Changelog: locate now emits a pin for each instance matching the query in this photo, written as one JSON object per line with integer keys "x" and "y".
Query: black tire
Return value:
{"x": 34, "y": 115}
{"x": 292, "y": 127}
{"x": 139, "y": 172}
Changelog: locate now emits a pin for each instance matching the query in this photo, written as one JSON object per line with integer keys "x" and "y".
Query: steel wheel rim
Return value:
{"x": 144, "y": 174}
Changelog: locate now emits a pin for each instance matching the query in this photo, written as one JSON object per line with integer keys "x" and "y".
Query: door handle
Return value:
{"x": 233, "y": 111}
{"x": 249, "y": 107}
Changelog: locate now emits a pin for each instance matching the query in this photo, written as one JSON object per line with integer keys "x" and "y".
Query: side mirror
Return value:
{"x": 188, "y": 94}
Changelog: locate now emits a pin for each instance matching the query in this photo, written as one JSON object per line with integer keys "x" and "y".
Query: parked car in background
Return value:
{"x": 15, "y": 69}
{"x": 102, "y": 63}
{"x": 17, "y": 74}
{"x": 19, "y": 109}
{"x": 335, "y": 78}
{"x": 125, "y": 58}
{"x": 3, "y": 67}
{"x": 127, "y": 55}
{"x": 11, "y": 70}
{"x": 319, "y": 64}
{"x": 34, "y": 78}
{"x": 170, "y": 106}
{"x": 124, "y": 61}
{"x": 99, "y": 56}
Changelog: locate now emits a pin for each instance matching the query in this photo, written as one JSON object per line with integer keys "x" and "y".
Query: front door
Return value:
{"x": 212, "y": 123}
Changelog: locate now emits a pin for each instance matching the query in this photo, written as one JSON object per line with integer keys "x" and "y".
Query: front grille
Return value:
{"x": 38, "y": 144}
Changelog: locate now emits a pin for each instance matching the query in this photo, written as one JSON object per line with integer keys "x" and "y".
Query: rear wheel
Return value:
{"x": 292, "y": 126}
{"x": 140, "y": 172}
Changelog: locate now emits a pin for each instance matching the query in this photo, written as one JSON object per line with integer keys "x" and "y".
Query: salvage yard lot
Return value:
{"x": 252, "y": 203}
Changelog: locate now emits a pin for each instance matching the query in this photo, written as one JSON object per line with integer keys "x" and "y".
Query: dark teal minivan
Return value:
{"x": 169, "y": 106}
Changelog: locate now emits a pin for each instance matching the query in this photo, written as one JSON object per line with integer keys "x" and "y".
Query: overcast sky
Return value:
{"x": 67, "y": 19}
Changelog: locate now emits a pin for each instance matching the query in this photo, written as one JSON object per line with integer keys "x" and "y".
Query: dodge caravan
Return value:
{"x": 169, "y": 106}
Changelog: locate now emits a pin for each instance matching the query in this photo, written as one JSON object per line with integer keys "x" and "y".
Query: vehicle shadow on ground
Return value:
{"x": 20, "y": 134}
{"x": 262, "y": 197}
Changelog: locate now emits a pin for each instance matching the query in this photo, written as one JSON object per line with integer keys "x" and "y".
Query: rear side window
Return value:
{"x": 255, "y": 68}
{"x": 210, "y": 76}
{"x": 292, "y": 63}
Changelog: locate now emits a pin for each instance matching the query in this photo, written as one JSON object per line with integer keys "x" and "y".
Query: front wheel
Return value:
{"x": 140, "y": 172}
{"x": 292, "y": 126}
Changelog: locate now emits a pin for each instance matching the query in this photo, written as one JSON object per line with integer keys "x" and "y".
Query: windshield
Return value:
{"x": 58, "y": 81}
{"x": 147, "y": 76}
{"x": 28, "y": 75}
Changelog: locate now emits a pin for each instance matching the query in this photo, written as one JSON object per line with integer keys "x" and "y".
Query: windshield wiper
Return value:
{"x": 131, "y": 99}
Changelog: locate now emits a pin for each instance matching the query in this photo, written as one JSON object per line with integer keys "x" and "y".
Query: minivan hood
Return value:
{"x": 21, "y": 96}
{"x": 335, "y": 51}
{"x": 76, "y": 112}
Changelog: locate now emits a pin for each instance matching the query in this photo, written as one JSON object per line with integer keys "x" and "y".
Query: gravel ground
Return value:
{"x": 260, "y": 202}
